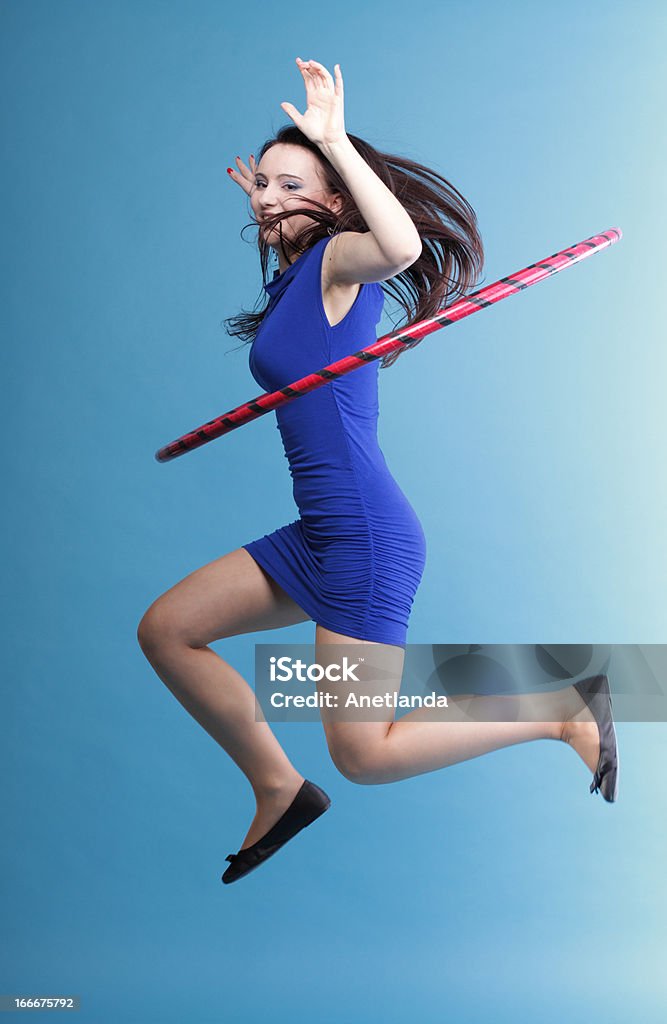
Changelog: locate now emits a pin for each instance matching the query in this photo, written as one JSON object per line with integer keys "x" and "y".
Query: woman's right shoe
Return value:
{"x": 308, "y": 804}
{"x": 595, "y": 694}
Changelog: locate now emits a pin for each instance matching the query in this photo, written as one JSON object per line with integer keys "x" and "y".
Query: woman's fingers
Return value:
{"x": 292, "y": 112}
{"x": 244, "y": 176}
{"x": 307, "y": 73}
{"x": 245, "y": 171}
{"x": 317, "y": 72}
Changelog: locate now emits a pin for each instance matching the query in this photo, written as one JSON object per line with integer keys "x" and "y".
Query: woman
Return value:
{"x": 341, "y": 218}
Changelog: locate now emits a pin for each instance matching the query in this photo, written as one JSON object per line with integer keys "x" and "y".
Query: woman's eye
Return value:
{"x": 290, "y": 183}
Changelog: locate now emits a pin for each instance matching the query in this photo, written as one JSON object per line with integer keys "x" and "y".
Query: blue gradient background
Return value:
{"x": 528, "y": 439}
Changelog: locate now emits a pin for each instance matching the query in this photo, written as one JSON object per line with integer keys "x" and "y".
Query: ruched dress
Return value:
{"x": 354, "y": 558}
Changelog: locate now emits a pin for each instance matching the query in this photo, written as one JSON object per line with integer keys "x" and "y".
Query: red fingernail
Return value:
{"x": 229, "y": 170}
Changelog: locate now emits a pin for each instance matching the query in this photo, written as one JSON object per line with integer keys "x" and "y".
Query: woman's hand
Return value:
{"x": 323, "y": 122}
{"x": 245, "y": 176}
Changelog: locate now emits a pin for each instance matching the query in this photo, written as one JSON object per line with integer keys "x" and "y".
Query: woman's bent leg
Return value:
{"x": 227, "y": 597}
{"x": 375, "y": 752}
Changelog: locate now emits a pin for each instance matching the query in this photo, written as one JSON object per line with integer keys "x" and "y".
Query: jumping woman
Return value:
{"x": 341, "y": 217}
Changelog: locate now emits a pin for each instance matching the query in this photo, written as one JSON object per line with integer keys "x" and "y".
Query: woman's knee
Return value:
{"x": 157, "y": 629}
{"x": 356, "y": 764}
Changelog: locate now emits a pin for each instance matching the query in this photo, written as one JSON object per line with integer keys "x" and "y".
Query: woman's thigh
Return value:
{"x": 227, "y": 597}
{"x": 352, "y": 732}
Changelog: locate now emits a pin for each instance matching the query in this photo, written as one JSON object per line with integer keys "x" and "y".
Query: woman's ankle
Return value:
{"x": 275, "y": 785}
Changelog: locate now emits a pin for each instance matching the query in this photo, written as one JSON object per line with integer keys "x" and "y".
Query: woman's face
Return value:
{"x": 285, "y": 178}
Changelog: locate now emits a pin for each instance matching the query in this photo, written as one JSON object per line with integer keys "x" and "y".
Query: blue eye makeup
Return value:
{"x": 257, "y": 183}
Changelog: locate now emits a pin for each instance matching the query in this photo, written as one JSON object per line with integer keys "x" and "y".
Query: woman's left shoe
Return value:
{"x": 308, "y": 804}
{"x": 595, "y": 694}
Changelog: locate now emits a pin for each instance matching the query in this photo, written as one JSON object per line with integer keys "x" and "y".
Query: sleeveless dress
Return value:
{"x": 354, "y": 558}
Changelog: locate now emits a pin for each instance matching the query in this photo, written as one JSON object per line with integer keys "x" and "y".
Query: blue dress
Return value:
{"x": 354, "y": 558}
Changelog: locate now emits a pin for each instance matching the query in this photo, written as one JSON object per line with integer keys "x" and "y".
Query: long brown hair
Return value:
{"x": 452, "y": 255}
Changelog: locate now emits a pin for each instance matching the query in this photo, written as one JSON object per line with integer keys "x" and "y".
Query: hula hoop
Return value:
{"x": 449, "y": 315}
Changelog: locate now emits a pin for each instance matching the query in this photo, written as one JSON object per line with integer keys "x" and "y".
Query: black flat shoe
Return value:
{"x": 595, "y": 693}
{"x": 308, "y": 804}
